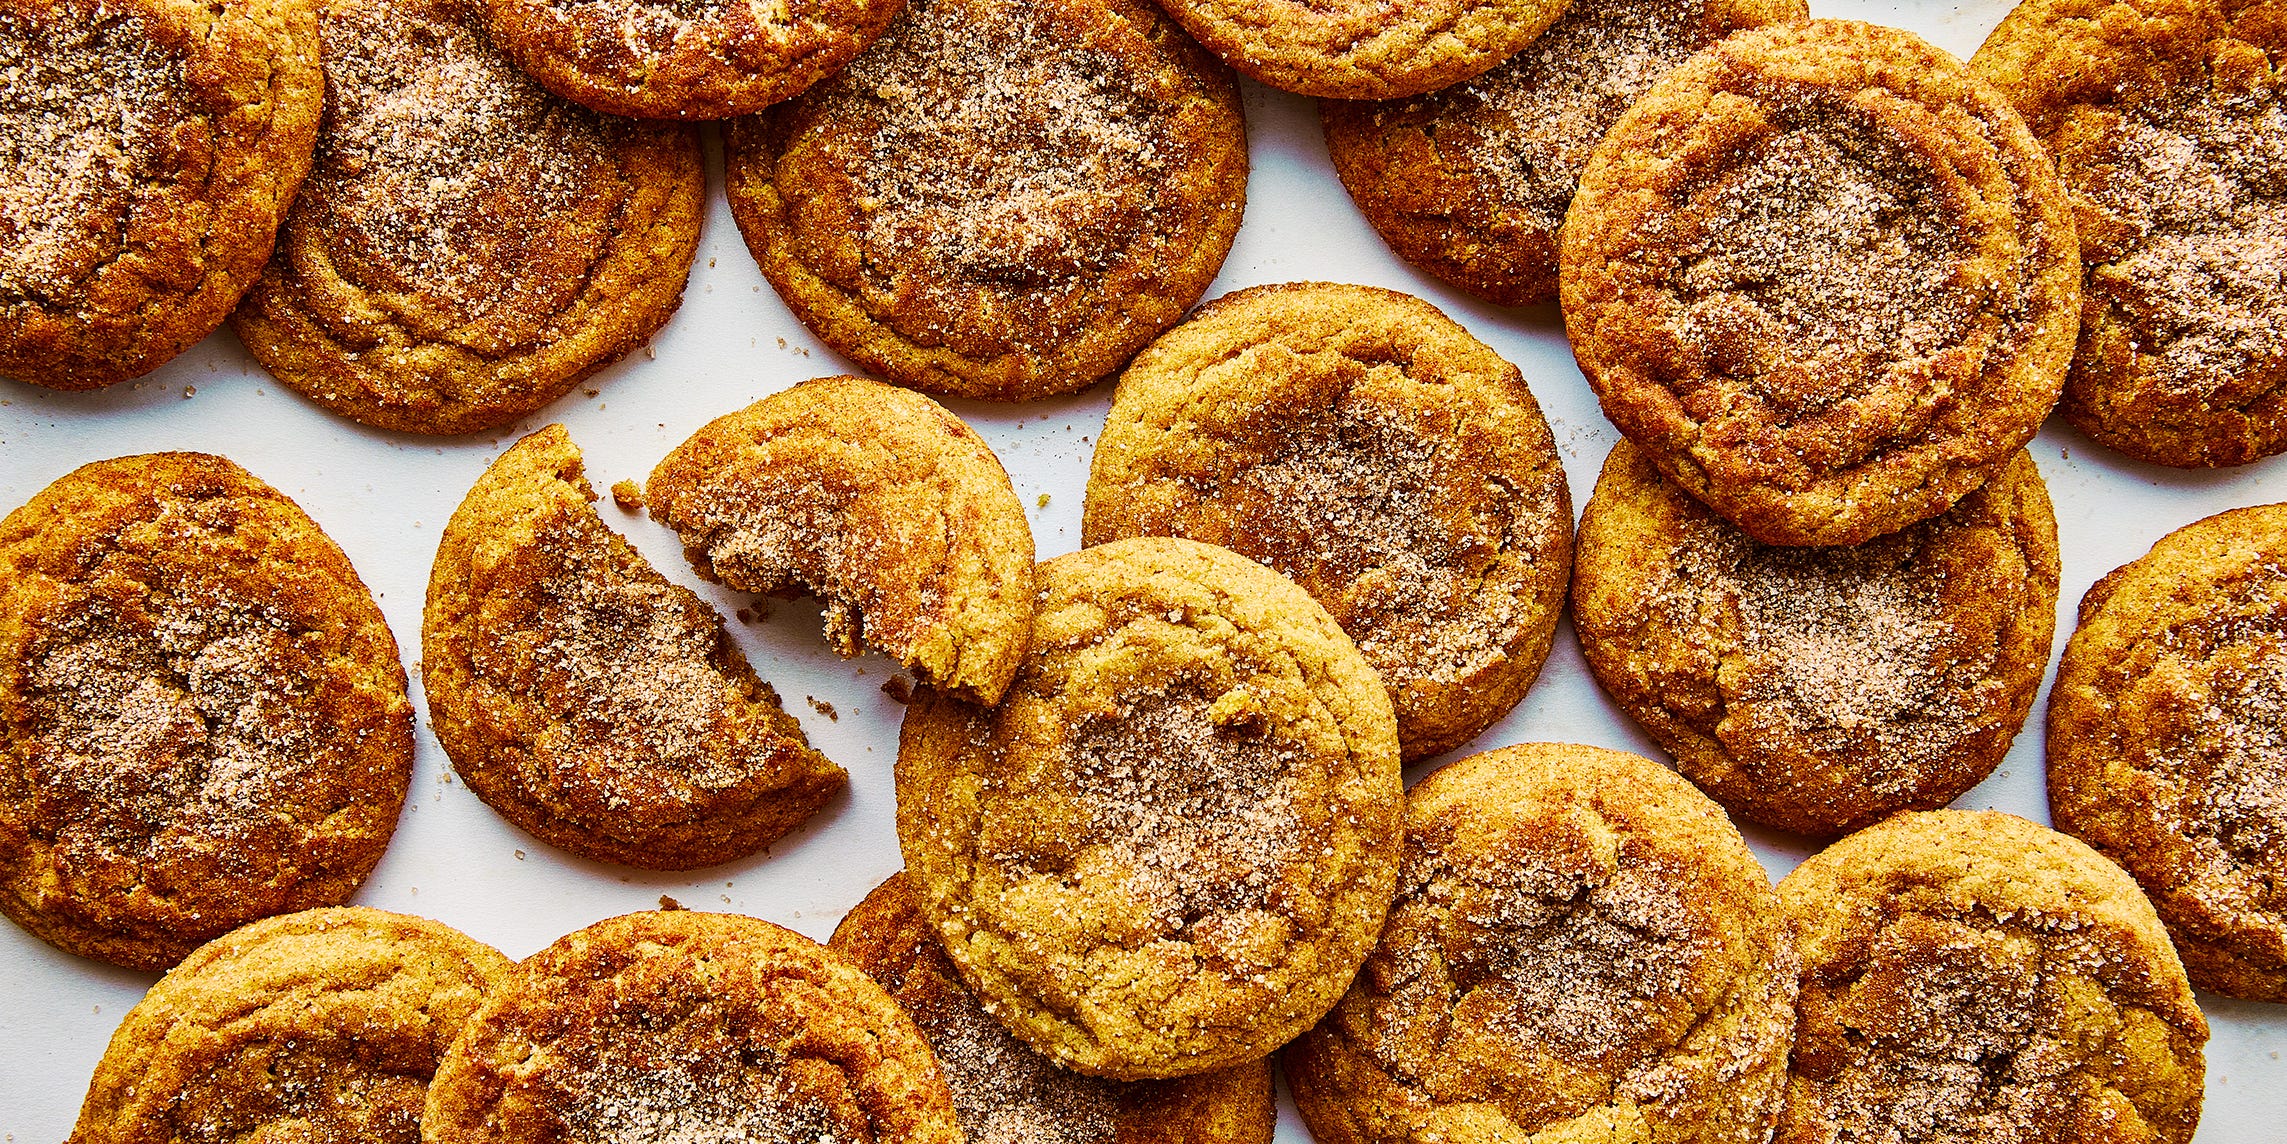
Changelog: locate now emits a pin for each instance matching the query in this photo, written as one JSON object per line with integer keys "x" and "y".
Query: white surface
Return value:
{"x": 384, "y": 496}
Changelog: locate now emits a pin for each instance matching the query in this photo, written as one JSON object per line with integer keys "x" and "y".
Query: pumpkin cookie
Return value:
{"x": 2168, "y": 119}
{"x": 684, "y": 59}
{"x": 320, "y": 1025}
{"x": 1824, "y": 278}
{"x": 1819, "y": 690}
{"x": 1969, "y": 976}
{"x": 203, "y": 715}
{"x": 148, "y": 149}
{"x": 589, "y": 700}
{"x": 469, "y": 247}
{"x": 2168, "y": 741}
{"x": 1364, "y": 49}
{"x": 1582, "y": 949}
{"x": 1170, "y": 846}
{"x": 1004, "y": 1092}
{"x": 1361, "y": 443}
{"x": 1003, "y": 199}
{"x": 1471, "y": 182}
{"x": 878, "y": 501}
{"x": 688, "y": 1026}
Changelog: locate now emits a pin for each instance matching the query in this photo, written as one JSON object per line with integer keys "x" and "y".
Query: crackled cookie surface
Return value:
{"x": 1972, "y": 978}
{"x": 880, "y": 502}
{"x": 1818, "y": 690}
{"x": 1471, "y": 182}
{"x": 1362, "y": 444}
{"x": 1824, "y": 278}
{"x": 1002, "y": 199}
{"x": 1363, "y": 49}
{"x": 148, "y": 149}
{"x": 2168, "y": 119}
{"x": 588, "y": 699}
{"x": 694, "y": 1027}
{"x": 1171, "y": 845}
{"x": 1004, "y": 1092}
{"x": 320, "y": 1025}
{"x": 2168, "y": 741}
{"x": 1582, "y": 948}
{"x": 203, "y": 714}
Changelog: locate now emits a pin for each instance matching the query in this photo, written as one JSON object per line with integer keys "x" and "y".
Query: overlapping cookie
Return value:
{"x": 1364, "y": 49}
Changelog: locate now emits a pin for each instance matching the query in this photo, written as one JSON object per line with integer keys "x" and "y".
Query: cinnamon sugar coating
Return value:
{"x": 688, "y": 1026}
{"x": 1582, "y": 948}
{"x": 1170, "y": 846}
{"x": 1824, "y": 278}
{"x": 148, "y": 149}
{"x": 1818, "y": 690}
{"x": 203, "y": 713}
{"x": 589, "y": 700}
{"x": 880, "y": 502}
{"x": 2168, "y": 119}
{"x": 321, "y": 1025}
{"x": 1364, "y": 49}
{"x": 2168, "y": 741}
{"x": 1972, "y": 978}
{"x": 1003, "y": 199}
{"x": 1362, "y": 444}
{"x": 1004, "y": 1092}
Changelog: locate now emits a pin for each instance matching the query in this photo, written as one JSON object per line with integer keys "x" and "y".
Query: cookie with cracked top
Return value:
{"x": 468, "y": 247}
{"x": 1169, "y": 847}
{"x": 202, "y": 715}
{"x": 1364, "y": 49}
{"x": 1582, "y": 948}
{"x": 691, "y": 1026}
{"x": 325, "y": 1024}
{"x": 2168, "y": 741}
{"x": 1002, "y": 199}
{"x": 1969, "y": 976}
{"x": 2168, "y": 120}
{"x": 1824, "y": 277}
{"x": 1366, "y": 446}
{"x": 587, "y": 698}
{"x": 148, "y": 149}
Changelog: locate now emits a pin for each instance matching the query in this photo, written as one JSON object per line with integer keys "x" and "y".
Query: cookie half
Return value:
{"x": 1364, "y": 49}
{"x": 324, "y": 1025}
{"x": 589, "y": 700}
{"x": 2168, "y": 741}
{"x": 880, "y": 502}
{"x": 2167, "y": 119}
{"x": 1825, "y": 278}
{"x": 203, "y": 713}
{"x": 1819, "y": 690}
{"x": 469, "y": 247}
{"x": 1003, "y": 199}
{"x": 1171, "y": 845}
{"x": 1364, "y": 445}
{"x": 1582, "y": 948}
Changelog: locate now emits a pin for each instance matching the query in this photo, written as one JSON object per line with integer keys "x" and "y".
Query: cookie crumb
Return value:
{"x": 627, "y": 495}
{"x": 190, "y": 391}
{"x": 667, "y": 903}
{"x": 823, "y": 708}
{"x": 520, "y": 856}
{"x": 1043, "y": 501}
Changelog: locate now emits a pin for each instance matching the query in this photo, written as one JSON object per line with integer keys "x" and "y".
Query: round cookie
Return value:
{"x": 879, "y": 501}
{"x": 684, "y": 59}
{"x": 320, "y": 1025}
{"x": 1171, "y": 845}
{"x": 1003, "y": 1092}
{"x": 1361, "y": 443}
{"x": 1364, "y": 49}
{"x": 1582, "y": 948}
{"x": 687, "y": 1026}
{"x": 1470, "y": 183}
{"x": 469, "y": 247}
{"x": 1824, "y": 277}
{"x": 2168, "y": 120}
{"x": 1003, "y": 199}
{"x": 1970, "y": 976}
{"x": 1818, "y": 690}
{"x": 148, "y": 149}
{"x": 202, "y": 711}
{"x": 2168, "y": 741}
{"x": 588, "y": 699}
